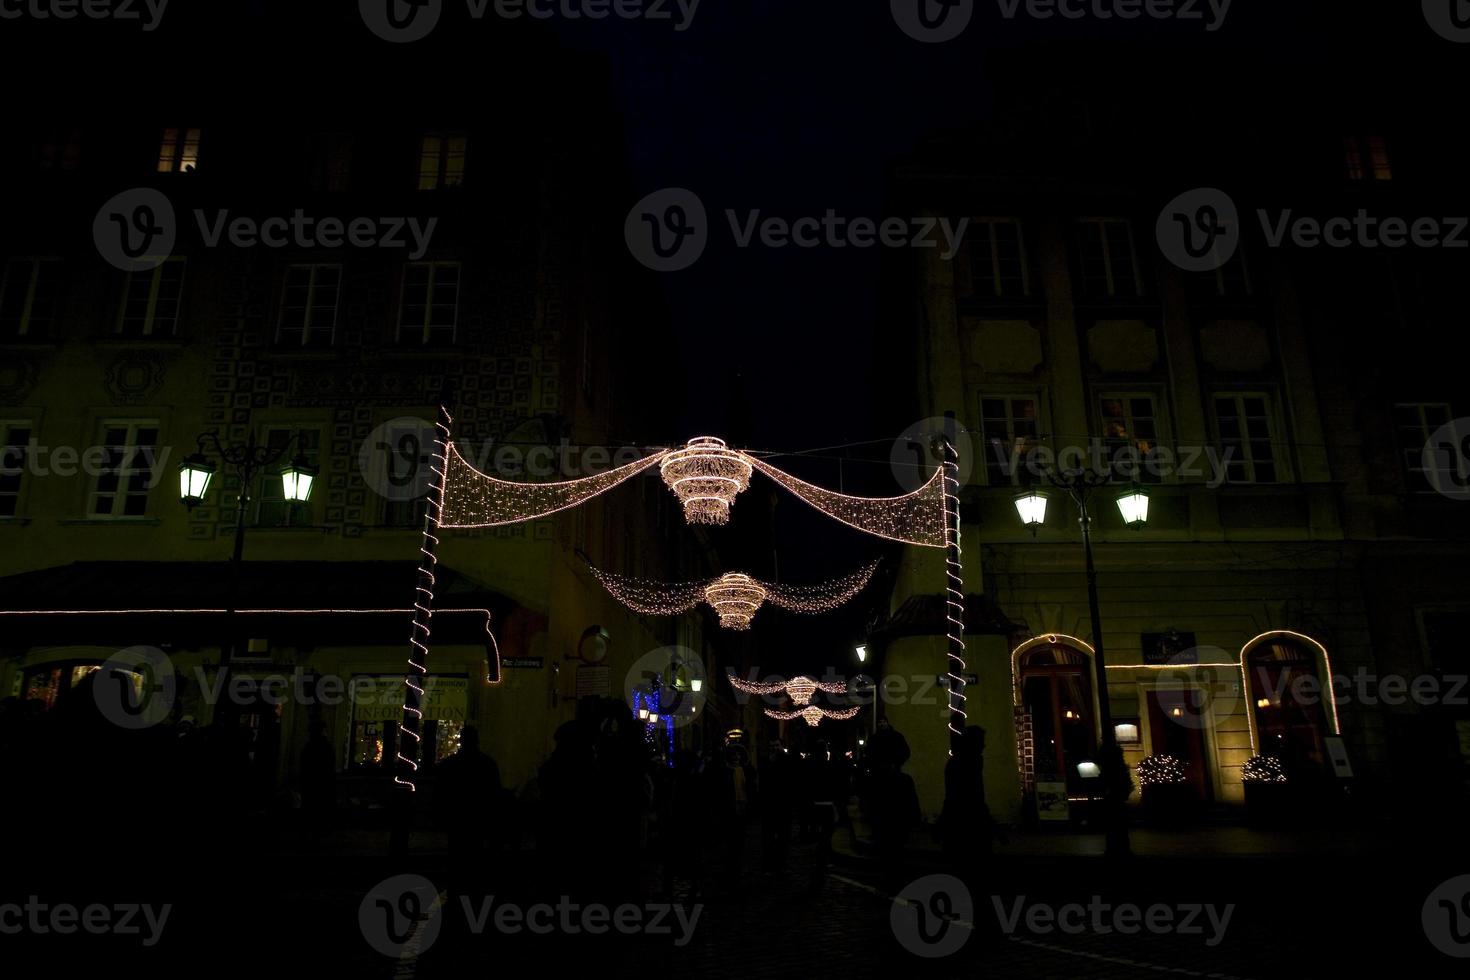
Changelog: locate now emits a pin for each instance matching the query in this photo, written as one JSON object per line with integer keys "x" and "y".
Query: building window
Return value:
{"x": 272, "y": 509}
{"x": 1431, "y": 469}
{"x": 997, "y": 257}
{"x": 1366, "y": 158}
{"x": 30, "y": 295}
{"x": 441, "y": 161}
{"x": 309, "y": 306}
{"x": 332, "y": 162}
{"x": 179, "y": 153}
{"x": 1230, "y": 281}
{"x": 62, "y": 150}
{"x": 1130, "y": 428}
{"x": 1008, "y": 425}
{"x": 15, "y": 445}
{"x": 1247, "y": 440}
{"x": 151, "y": 300}
{"x": 430, "y": 306}
{"x": 128, "y": 470}
{"x": 1108, "y": 259}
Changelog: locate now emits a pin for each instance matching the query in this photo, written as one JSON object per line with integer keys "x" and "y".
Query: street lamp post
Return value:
{"x": 196, "y": 473}
{"x": 1133, "y": 505}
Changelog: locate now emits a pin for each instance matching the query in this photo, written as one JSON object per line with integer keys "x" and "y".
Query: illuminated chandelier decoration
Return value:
{"x": 706, "y": 476}
{"x": 735, "y": 596}
{"x": 813, "y": 715}
{"x": 799, "y": 689}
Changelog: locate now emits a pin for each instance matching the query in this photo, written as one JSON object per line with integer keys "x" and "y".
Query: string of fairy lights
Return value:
{"x": 813, "y": 715}
{"x": 735, "y": 596}
{"x": 706, "y": 476}
{"x": 799, "y": 689}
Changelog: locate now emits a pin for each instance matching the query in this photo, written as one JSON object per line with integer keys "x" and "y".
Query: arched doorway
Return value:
{"x": 1055, "y": 692}
{"x": 1289, "y": 683}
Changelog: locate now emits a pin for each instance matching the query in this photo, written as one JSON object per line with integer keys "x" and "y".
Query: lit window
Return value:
{"x": 1009, "y": 427}
{"x": 1130, "y": 428}
{"x": 30, "y": 295}
{"x": 179, "y": 153}
{"x": 15, "y": 444}
{"x": 441, "y": 161}
{"x": 151, "y": 300}
{"x": 1247, "y": 440}
{"x": 997, "y": 257}
{"x": 128, "y": 472}
{"x": 309, "y": 306}
{"x": 1107, "y": 258}
{"x": 430, "y": 306}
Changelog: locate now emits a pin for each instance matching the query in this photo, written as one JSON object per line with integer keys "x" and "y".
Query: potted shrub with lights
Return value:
{"x": 1266, "y": 788}
{"x": 1167, "y": 795}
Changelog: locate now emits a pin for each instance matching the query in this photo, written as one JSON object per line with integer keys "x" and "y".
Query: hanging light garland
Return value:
{"x": 735, "y": 596}
{"x": 475, "y": 499}
{"x": 813, "y": 715}
{"x": 799, "y": 689}
{"x": 706, "y": 476}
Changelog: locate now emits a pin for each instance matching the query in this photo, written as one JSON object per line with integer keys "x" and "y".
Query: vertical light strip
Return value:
{"x": 423, "y": 612}
{"x": 954, "y": 589}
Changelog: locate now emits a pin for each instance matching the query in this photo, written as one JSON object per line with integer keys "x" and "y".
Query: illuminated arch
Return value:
{"x": 1045, "y": 640}
{"x": 1325, "y": 674}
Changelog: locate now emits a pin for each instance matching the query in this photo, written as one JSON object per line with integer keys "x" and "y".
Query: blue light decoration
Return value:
{"x": 651, "y": 700}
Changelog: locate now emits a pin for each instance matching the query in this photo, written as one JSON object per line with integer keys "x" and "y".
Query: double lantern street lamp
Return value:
{"x": 247, "y": 459}
{"x": 1133, "y": 506}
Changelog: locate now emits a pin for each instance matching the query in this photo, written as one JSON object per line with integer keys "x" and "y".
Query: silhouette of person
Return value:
{"x": 467, "y": 795}
{"x": 965, "y": 826}
{"x": 318, "y": 781}
{"x": 778, "y": 785}
{"x": 887, "y": 746}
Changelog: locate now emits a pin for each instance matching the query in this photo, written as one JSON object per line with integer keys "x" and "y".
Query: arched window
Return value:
{"x": 1054, "y": 691}
{"x": 1289, "y": 683}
